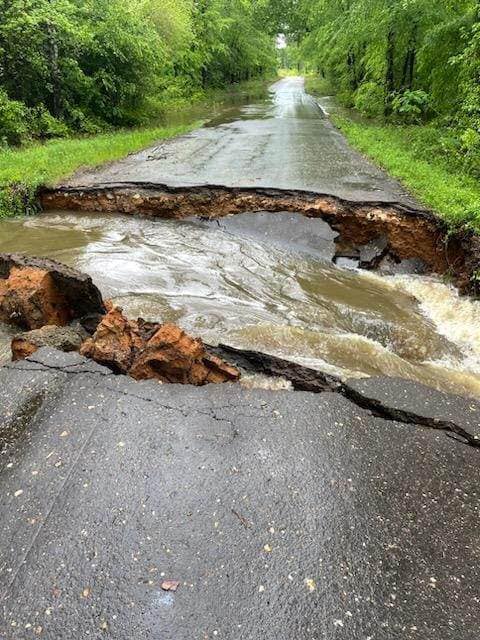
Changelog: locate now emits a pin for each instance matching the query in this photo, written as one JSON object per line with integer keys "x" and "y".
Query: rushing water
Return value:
{"x": 246, "y": 291}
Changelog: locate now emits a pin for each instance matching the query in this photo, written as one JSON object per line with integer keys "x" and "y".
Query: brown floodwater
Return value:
{"x": 249, "y": 292}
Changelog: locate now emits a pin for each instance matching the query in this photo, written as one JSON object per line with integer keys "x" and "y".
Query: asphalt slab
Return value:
{"x": 134, "y": 510}
{"x": 282, "y": 142}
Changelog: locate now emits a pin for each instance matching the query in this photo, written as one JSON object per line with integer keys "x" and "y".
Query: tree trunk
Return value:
{"x": 406, "y": 65}
{"x": 351, "y": 61}
{"x": 410, "y": 59}
{"x": 390, "y": 74}
{"x": 54, "y": 69}
{"x": 390, "y": 71}
{"x": 411, "y": 68}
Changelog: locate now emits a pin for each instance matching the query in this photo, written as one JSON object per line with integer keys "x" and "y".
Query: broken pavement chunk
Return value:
{"x": 62, "y": 338}
{"x": 147, "y": 351}
{"x": 35, "y": 292}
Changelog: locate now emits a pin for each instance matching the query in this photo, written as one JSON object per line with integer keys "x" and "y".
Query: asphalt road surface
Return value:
{"x": 136, "y": 511}
{"x": 280, "y": 515}
{"x": 284, "y": 141}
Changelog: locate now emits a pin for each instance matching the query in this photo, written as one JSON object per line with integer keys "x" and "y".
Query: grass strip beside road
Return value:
{"x": 23, "y": 170}
{"x": 452, "y": 194}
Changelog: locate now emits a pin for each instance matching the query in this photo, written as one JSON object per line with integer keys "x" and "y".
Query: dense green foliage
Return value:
{"x": 411, "y": 61}
{"x": 82, "y": 65}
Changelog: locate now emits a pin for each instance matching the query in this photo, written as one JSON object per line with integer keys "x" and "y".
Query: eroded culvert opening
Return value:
{"x": 266, "y": 280}
{"x": 390, "y": 237}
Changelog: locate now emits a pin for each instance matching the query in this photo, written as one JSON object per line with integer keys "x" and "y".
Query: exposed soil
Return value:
{"x": 399, "y": 233}
{"x": 35, "y": 292}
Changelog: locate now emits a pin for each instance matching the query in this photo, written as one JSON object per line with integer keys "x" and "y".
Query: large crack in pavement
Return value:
{"x": 391, "y": 399}
{"x": 363, "y": 394}
{"x": 409, "y": 233}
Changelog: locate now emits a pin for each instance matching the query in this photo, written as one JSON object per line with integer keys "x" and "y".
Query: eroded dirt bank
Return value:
{"x": 377, "y": 235}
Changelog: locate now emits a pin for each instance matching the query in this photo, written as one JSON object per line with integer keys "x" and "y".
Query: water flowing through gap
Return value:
{"x": 252, "y": 282}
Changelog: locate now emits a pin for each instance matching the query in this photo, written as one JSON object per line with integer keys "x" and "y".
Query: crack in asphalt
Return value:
{"x": 406, "y": 417}
{"x": 375, "y": 407}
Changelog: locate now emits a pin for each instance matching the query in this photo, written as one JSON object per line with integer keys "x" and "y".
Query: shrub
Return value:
{"x": 370, "y": 100}
{"x": 81, "y": 123}
{"x": 470, "y": 140}
{"x": 18, "y": 200}
{"x": 46, "y": 126}
{"x": 13, "y": 120}
{"x": 411, "y": 106}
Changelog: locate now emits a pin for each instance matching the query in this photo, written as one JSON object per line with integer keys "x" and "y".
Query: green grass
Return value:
{"x": 438, "y": 182}
{"x": 23, "y": 170}
{"x": 47, "y": 163}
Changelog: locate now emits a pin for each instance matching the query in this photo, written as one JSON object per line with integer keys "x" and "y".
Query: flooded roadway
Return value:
{"x": 279, "y": 515}
{"x": 266, "y": 282}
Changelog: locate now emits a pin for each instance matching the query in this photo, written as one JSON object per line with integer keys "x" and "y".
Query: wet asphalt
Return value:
{"x": 284, "y": 141}
{"x": 280, "y": 515}
{"x": 275, "y": 515}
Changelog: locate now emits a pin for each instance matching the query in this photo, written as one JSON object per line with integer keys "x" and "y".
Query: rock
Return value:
{"x": 173, "y": 356}
{"x": 373, "y": 252}
{"x": 35, "y": 292}
{"x": 115, "y": 343}
{"x": 91, "y": 322}
{"x": 77, "y": 325}
{"x": 148, "y": 351}
{"x": 389, "y": 266}
{"x": 30, "y": 299}
{"x": 62, "y": 338}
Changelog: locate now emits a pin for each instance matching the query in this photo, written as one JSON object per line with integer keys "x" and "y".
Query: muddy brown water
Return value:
{"x": 253, "y": 290}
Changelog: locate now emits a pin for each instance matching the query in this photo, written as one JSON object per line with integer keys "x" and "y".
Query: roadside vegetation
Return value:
{"x": 410, "y": 74}
{"x": 91, "y": 69}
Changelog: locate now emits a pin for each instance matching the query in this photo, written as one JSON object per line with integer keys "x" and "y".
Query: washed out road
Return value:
{"x": 139, "y": 511}
{"x": 282, "y": 142}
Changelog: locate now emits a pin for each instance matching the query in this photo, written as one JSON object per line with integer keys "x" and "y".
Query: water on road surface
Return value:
{"x": 253, "y": 291}
{"x": 264, "y": 281}
{"x": 283, "y": 140}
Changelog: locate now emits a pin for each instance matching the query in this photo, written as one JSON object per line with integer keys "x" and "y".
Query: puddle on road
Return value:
{"x": 248, "y": 290}
{"x": 249, "y": 103}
